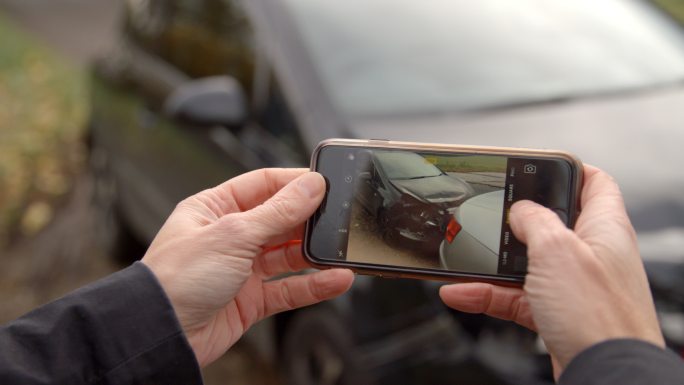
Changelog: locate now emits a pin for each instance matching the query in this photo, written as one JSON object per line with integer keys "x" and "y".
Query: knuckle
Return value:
{"x": 286, "y": 295}
{"x": 291, "y": 257}
{"x": 317, "y": 292}
{"x": 284, "y": 210}
{"x": 234, "y": 224}
{"x": 515, "y": 309}
{"x": 185, "y": 204}
{"x": 268, "y": 175}
{"x": 261, "y": 265}
{"x": 487, "y": 304}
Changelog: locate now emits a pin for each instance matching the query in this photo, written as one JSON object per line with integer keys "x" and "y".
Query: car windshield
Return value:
{"x": 406, "y": 165}
{"x": 389, "y": 57}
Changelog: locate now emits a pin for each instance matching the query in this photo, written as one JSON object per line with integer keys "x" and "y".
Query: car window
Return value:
{"x": 406, "y": 165}
{"x": 376, "y": 177}
{"x": 199, "y": 37}
{"x": 275, "y": 116}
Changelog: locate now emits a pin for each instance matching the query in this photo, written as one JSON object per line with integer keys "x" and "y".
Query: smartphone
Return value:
{"x": 432, "y": 211}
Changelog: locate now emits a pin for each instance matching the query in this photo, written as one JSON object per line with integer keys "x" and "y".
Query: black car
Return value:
{"x": 410, "y": 198}
{"x": 202, "y": 90}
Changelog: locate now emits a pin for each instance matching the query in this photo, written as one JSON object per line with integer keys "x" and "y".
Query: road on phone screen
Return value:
{"x": 367, "y": 245}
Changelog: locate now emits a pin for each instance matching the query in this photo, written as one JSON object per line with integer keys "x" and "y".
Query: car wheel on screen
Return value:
{"x": 112, "y": 235}
{"x": 389, "y": 234}
{"x": 319, "y": 350}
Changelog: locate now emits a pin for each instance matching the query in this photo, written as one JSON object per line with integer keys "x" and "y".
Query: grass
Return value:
{"x": 43, "y": 105}
{"x": 674, "y": 7}
{"x": 469, "y": 163}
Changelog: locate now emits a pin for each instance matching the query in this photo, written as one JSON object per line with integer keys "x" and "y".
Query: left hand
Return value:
{"x": 217, "y": 254}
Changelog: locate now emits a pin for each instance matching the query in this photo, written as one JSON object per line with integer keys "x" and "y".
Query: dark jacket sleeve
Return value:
{"x": 120, "y": 330}
{"x": 624, "y": 362}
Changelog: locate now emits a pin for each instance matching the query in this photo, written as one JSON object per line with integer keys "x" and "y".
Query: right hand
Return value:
{"x": 582, "y": 287}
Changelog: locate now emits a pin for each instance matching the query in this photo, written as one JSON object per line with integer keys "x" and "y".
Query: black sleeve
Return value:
{"x": 119, "y": 330}
{"x": 624, "y": 362}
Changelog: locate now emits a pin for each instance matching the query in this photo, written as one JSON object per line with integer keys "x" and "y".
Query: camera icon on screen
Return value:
{"x": 530, "y": 169}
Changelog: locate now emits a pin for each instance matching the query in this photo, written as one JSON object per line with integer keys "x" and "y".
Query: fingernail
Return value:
{"x": 521, "y": 206}
{"x": 515, "y": 210}
{"x": 312, "y": 184}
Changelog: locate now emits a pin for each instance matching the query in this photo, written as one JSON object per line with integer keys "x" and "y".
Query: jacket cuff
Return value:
{"x": 119, "y": 330}
{"x": 625, "y": 362}
{"x": 144, "y": 327}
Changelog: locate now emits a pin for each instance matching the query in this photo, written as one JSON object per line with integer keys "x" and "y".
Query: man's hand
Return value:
{"x": 217, "y": 254}
{"x": 582, "y": 287}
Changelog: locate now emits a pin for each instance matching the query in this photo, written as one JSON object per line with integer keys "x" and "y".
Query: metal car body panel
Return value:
{"x": 635, "y": 136}
{"x": 480, "y": 214}
{"x": 414, "y": 207}
{"x": 476, "y": 247}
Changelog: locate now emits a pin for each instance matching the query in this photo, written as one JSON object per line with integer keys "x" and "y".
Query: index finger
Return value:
{"x": 507, "y": 303}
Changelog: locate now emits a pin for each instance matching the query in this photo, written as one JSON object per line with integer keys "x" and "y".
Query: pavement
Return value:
{"x": 78, "y": 29}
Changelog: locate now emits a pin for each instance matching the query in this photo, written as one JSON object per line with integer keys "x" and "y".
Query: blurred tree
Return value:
{"x": 42, "y": 112}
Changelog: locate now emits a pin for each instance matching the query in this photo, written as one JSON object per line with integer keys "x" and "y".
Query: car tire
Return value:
{"x": 318, "y": 349}
{"x": 389, "y": 234}
{"x": 112, "y": 234}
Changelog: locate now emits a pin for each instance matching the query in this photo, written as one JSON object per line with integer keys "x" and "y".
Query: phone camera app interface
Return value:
{"x": 431, "y": 211}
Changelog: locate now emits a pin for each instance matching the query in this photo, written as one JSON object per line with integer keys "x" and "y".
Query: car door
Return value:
{"x": 162, "y": 159}
{"x": 370, "y": 187}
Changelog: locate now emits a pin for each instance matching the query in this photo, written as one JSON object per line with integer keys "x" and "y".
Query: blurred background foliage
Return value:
{"x": 674, "y": 7}
{"x": 43, "y": 106}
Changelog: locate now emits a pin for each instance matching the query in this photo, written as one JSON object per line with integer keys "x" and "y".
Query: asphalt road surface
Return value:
{"x": 77, "y": 29}
{"x": 367, "y": 245}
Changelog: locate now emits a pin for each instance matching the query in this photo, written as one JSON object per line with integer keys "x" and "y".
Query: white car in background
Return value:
{"x": 473, "y": 235}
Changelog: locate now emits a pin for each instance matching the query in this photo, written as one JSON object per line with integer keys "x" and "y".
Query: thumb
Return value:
{"x": 538, "y": 227}
{"x": 287, "y": 209}
{"x": 550, "y": 244}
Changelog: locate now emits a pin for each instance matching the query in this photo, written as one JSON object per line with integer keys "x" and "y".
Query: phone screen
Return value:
{"x": 431, "y": 211}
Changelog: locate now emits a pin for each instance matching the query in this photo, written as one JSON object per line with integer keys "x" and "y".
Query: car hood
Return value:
{"x": 637, "y": 138}
{"x": 441, "y": 189}
{"x": 481, "y": 217}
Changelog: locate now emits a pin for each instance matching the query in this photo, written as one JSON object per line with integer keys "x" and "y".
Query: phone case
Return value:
{"x": 405, "y": 272}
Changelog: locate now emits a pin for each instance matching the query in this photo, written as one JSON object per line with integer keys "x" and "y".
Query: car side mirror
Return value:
{"x": 210, "y": 101}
